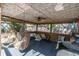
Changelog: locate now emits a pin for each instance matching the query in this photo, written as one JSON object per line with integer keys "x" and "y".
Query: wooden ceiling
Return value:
{"x": 29, "y": 12}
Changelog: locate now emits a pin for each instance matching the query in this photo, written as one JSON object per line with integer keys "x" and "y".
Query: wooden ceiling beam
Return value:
{"x": 17, "y": 20}
{"x": 36, "y": 22}
{"x": 46, "y": 21}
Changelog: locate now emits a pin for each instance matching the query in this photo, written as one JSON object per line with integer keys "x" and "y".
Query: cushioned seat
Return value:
{"x": 72, "y": 46}
{"x": 66, "y": 53}
{"x": 14, "y": 52}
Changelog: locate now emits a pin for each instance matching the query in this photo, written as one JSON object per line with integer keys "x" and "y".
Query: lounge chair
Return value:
{"x": 13, "y": 52}
{"x": 64, "y": 52}
{"x": 72, "y": 46}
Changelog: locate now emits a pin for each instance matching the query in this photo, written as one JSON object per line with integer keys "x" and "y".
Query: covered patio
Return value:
{"x": 39, "y": 29}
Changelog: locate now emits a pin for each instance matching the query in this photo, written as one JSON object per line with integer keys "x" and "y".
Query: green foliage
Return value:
{"x": 16, "y": 26}
{"x": 2, "y": 30}
{"x": 5, "y": 27}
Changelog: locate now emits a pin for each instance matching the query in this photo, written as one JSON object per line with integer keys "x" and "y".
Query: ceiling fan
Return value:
{"x": 40, "y": 18}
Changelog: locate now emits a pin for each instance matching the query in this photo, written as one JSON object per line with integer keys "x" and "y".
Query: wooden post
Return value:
{"x": 50, "y": 28}
{"x": 25, "y": 26}
{"x": 36, "y": 27}
{"x": 50, "y": 31}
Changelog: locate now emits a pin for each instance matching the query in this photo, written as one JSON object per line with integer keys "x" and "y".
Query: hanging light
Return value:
{"x": 59, "y": 7}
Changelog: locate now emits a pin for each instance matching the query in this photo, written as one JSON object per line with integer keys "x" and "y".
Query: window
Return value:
{"x": 63, "y": 28}
{"x": 5, "y": 26}
{"x": 45, "y": 27}
{"x": 31, "y": 27}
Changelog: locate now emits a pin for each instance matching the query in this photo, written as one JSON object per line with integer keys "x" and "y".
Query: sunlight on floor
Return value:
{"x": 15, "y": 52}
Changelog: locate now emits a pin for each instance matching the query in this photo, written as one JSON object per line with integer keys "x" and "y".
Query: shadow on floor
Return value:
{"x": 45, "y": 47}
